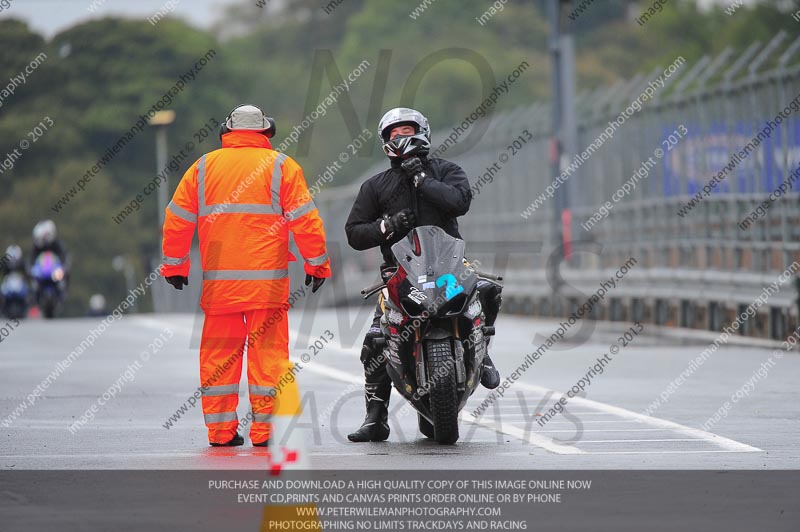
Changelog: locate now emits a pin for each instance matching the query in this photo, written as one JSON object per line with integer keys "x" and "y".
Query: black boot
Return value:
{"x": 491, "y": 300}
{"x": 376, "y": 424}
{"x": 377, "y": 389}
{"x": 490, "y": 377}
{"x": 235, "y": 442}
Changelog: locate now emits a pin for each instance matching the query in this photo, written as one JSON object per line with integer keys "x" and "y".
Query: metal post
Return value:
{"x": 161, "y": 121}
{"x": 564, "y": 126}
{"x": 555, "y": 145}
{"x": 122, "y": 264}
{"x": 161, "y": 163}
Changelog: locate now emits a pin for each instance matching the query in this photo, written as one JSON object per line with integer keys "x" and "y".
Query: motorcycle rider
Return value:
{"x": 416, "y": 190}
{"x": 12, "y": 261}
{"x": 45, "y": 238}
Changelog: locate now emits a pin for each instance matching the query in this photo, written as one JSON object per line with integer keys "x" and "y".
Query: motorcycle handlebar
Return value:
{"x": 367, "y": 292}
{"x": 489, "y": 276}
{"x": 370, "y": 290}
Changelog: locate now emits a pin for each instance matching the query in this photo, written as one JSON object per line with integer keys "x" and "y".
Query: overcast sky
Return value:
{"x": 51, "y": 16}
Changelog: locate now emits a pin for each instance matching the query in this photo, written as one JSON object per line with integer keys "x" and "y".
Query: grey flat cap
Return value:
{"x": 248, "y": 117}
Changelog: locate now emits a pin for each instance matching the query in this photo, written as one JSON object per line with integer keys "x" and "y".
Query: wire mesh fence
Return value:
{"x": 704, "y": 211}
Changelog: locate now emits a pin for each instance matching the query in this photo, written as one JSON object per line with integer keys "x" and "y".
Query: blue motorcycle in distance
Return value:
{"x": 48, "y": 277}
{"x": 14, "y": 293}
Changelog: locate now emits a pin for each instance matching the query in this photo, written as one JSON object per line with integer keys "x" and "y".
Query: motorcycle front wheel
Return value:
{"x": 48, "y": 306}
{"x": 443, "y": 392}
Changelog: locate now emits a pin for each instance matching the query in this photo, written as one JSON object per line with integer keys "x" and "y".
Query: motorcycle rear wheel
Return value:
{"x": 443, "y": 392}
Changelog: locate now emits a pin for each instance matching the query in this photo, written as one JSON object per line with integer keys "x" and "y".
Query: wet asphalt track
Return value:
{"x": 604, "y": 430}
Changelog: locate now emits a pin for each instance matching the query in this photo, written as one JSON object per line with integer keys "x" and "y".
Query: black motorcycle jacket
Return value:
{"x": 56, "y": 247}
{"x": 442, "y": 197}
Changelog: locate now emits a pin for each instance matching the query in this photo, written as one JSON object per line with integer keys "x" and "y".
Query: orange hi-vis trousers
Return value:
{"x": 265, "y": 332}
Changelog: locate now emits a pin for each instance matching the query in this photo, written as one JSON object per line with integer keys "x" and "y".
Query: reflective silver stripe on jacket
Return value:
{"x": 277, "y": 176}
{"x": 172, "y": 261}
{"x": 223, "y": 389}
{"x": 205, "y": 209}
{"x": 318, "y": 261}
{"x": 201, "y": 185}
{"x": 221, "y": 417}
{"x": 305, "y": 208}
{"x": 238, "y": 208}
{"x": 182, "y": 213}
{"x": 260, "y": 390}
{"x": 248, "y": 275}
{"x": 262, "y": 418}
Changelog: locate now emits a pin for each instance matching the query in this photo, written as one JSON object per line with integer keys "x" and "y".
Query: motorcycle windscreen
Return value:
{"x": 46, "y": 265}
{"x": 14, "y": 283}
{"x": 435, "y": 272}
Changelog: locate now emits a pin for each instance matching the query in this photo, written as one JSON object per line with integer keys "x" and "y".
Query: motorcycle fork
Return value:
{"x": 422, "y": 379}
{"x": 458, "y": 348}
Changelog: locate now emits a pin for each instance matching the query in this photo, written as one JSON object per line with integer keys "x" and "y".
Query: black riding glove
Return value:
{"x": 401, "y": 223}
{"x": 178, "y": 281}
{"x": 413, "y": 169}
{"x": 317, "y": 282}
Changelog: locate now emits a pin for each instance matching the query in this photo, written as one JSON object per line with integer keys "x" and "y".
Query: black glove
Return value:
{"x": 178, "y": 281}
{"x": 413, "y": 169}
{"x": 400, "y": 223}
{"x": 317, "y": 282}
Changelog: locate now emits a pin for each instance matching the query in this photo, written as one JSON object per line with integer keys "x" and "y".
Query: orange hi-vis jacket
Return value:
{"x": 244, "y": 199}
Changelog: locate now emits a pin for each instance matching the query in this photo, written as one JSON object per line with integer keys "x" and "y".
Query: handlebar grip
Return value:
{"x": 372, "y": 288}
{"x": 490, "y": 276}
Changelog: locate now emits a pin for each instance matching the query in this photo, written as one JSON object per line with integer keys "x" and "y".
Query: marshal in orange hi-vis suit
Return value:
{"x": 244, "y": 199}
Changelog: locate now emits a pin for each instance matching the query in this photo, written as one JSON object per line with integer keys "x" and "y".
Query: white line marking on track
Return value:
{"x": 507, "y": 428}
{"x": 529, "y": 437}
{"x": 725, "y": 443}
{"x": 502, "y": 418}
{"x": 606, "y": 430}
{"x": 671, "y": 452}
{"x": 642, "y": 441}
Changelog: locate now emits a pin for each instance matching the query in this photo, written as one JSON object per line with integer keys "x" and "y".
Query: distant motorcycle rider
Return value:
{"x": 12, "y": 261}
{"x": 13, "y": 283}
{"x": 416, "y": 191}
{"x": 45, "y": 238}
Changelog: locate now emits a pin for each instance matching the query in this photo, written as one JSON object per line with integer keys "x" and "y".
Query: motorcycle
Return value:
{"x": 49, "y": 284}
{"x": 14, "y": 295}
{"x": 434, "y": 332}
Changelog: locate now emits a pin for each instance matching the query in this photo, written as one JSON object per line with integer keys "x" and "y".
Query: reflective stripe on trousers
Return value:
{"x": 221, "y": 361}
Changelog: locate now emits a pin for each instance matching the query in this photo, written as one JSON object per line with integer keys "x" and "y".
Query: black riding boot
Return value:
{"x": 376, "y": 423}
{"x": 490, "y": 301}
{"x": 377, "y": 389}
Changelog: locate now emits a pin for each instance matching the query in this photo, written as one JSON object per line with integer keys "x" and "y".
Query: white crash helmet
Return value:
{"x": 44, "y": 233}
{"x": 13, "y": 257}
